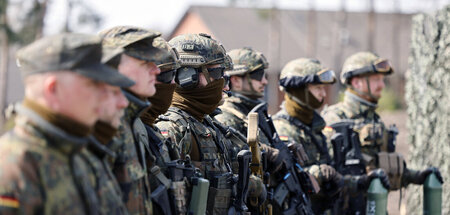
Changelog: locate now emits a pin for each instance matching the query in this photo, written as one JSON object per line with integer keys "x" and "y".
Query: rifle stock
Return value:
{"x": 252, "y": 140}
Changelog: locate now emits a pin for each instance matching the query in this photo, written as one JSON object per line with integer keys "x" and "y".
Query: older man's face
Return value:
{"x": 79, "y": 97}
{"x": 113, "y": 105}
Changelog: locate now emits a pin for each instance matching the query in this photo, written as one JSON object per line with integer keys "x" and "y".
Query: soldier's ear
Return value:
{"x": 356, "y": 83}
{"x": 236, "y": 83}
{"x": 50, "y": 92}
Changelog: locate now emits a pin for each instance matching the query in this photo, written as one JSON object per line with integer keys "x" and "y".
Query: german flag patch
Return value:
{"x": 284, "y": 138}
{"x": 165, "y": 133}
{"x": 328, "y": 129}
{"x": 9, "y": 202}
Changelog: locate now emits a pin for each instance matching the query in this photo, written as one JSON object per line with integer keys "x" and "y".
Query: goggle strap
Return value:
{"x": 206, "y": 73}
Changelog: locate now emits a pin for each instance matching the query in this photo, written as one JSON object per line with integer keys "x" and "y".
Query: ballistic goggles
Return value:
{"x": 381, "y": 66}
{"x": 166, "y": 77}
{"x": 257, "y": 74}
{"x": 324, "y": 76}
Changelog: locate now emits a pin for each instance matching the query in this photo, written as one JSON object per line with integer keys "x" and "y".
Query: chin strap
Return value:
{"x": 369, "y": 94}
{"x": 252, "y": 92}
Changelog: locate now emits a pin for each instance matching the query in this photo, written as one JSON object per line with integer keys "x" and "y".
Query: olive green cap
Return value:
{"x": 80, "y": 53}
{"x": 137, "y": 42}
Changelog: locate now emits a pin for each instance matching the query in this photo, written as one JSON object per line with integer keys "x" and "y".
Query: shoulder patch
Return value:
{"x": 9, "y": 202}
{"x": 328, "y": 129}
{"x": 284, "y": 138}
{"x": 165, "y": 133}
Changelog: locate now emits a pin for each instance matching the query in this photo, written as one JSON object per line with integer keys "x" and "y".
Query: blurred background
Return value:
{"x": 329, "y": 30}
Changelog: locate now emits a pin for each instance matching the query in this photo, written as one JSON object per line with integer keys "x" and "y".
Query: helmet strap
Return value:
{"x": 370, "y": 91}
{"x": 252, "y": 93}
{"x": 361, "y": 93}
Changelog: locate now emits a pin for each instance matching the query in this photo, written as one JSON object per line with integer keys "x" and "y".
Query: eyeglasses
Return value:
{"x": 257, "y": 74}
{"x": 216, "y": 72}
{"x": 326, "y": 76}
{"x": 166, "y": 76}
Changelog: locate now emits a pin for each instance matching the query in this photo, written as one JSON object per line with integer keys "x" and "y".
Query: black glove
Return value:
{"x": 364, "y": 180}
{"x": 424, "y": 174}
{"x": 274, "y": 160}
{"x": 327, "y": 173}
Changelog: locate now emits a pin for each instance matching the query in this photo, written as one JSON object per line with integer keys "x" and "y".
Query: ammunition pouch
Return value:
{"x": 219, "y": 199}
{"x": 393, "y": 165}
{"x": 180, "y": 172}
{"x": 220, "y": 192}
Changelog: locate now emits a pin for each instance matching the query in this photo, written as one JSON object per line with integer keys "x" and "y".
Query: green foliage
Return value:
{"x": 389, "y": 101}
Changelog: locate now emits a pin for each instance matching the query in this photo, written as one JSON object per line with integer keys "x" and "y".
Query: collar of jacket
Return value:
{"x": 317, "y": 124}
{"x": 241, "y": 100}
{"x": 135, "y": 108}
{"x": 359, "y": 104}
{"x": 56, "y": 137}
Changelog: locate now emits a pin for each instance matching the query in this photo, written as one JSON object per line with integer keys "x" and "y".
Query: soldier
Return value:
{"x": 247, "y": 83}
{"x": 99, "y": 153}
{"x": 187, "y": 124}
{"x": 137, "y": 63}
{"x": 303, "y": 80}
{"x": 363, "y": 74}
{"x": 160, "y": 147}
{"x": 44, "y": 168}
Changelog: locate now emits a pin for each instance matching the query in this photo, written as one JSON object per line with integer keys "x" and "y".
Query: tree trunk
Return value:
{"x": 428, "y": 98}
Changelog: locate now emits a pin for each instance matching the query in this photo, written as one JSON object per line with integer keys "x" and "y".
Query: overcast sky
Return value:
{"x": 163, "y": 15}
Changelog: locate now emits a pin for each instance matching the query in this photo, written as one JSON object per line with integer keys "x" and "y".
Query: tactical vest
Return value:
{"x": 312, "y": 139}
{"x": 212, "y": 160}
{"x": 375, "y": 138}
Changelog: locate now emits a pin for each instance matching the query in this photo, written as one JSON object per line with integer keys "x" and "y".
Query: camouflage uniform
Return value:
{"x": 248, "y": 63}
{"x": 44, "y": 171}
{"x": 131, "y": 165}
{"x": 373, "y": 134}
{"x": 47, "y": 169}
{"x": 195, "y": 134}
{"x": 160, "y": 147}
{"x": 237, "y": 106}
{"x": 377, "y": 141}
{"x": 307, "y": 130}
{"x": 104, "y": 183}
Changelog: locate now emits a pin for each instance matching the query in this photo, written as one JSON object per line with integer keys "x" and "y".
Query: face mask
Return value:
{"x": 199, "y": 101}
{"x": 160, "y": 102}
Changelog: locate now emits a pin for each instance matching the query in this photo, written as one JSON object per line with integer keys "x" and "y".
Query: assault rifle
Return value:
{"x": 348, "y": 160}
{"x": 258, "y": 164}
{"x": 294, "y": 181}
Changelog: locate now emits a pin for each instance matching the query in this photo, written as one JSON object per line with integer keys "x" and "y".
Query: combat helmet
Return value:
{"x": 364, "y": 63}
{"x": 299, "y": 72}
{"x": 248, "y": 63}
{"x": 168, "y": 62}
{"x": 196, "y": 51}
{"x": 246, "y": 60}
